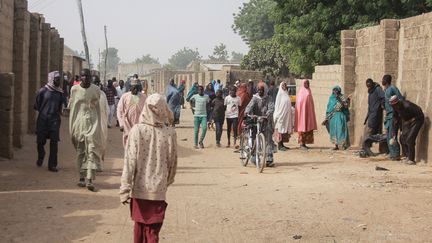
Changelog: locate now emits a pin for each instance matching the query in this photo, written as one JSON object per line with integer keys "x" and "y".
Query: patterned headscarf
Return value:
{"x": 50, "y": 85}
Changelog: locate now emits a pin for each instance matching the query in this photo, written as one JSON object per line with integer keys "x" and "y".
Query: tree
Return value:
{"x": 236, "y": 57}
{"x": 266, "y": 56}
{"x": 112, "y": 60}
{"x": 308, "y": 31}
{"x": 254, "y": 21}
{"x": 183, "y": 57}
{"x": 220, "y": 53}
{"x": 147, "y": 59}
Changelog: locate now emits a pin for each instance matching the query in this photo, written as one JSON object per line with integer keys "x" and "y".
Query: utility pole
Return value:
{"x": 99, "y": 62}
{"x": 106, "y": 53}
{"x": 83, "y": 33}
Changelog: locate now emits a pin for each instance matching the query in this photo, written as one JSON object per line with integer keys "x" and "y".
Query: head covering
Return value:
{"x": 237, "y": 83}
{"x": 334, "y": 101}
{"x": 282, "y": 115}
{"x": 50, "y": 85}
{"x": 305, "y": 119}
{"x": 262, "y": 84}
{"x": 394, "y": 100}
{"x": 156, "y": 111}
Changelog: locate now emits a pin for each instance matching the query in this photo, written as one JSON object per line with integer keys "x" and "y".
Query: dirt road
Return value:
{"x": 317, "y": 196}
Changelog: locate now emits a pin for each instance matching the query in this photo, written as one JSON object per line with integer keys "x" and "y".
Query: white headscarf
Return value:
{"x": 156, "y": 111}
{"x": 50, "y": 85}
{"x": 282, "y": 115}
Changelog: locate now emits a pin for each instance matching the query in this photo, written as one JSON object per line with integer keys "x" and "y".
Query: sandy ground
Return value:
{"x": 318, "y": 195}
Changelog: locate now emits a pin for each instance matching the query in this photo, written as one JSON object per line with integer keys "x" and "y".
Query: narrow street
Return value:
{"x": 316, "y": 196}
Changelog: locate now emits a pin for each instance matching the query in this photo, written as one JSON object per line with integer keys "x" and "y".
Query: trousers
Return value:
{"x": 232, "y": 123}
{"x": 409, "y": 134}
{"x": 200, "y": 121}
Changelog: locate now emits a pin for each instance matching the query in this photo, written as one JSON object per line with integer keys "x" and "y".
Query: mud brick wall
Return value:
{"x": 34, "y": 66}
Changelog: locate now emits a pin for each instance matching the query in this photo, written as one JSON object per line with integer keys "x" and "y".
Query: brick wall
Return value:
{"x": 6, "y": 35}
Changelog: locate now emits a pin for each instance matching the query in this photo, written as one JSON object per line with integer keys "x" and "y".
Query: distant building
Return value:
{"x": 72, "y": 62}
{"x": 127, "y": 69}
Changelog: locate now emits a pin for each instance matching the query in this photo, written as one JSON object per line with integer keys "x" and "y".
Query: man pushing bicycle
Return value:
{"x": 262, "y": 105}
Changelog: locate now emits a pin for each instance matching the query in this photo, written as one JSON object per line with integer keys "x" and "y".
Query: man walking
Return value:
{"x": 410, "y": 117}
{"x": 49, "y": 102}
{"x": 129, "y": 109}
{"x": 391, "y": 90}
{"x": 200, "y": 116}
{"x": 111, "y": 93}
{"x": 85, "y": 128}
{"x": 120, "y": 90}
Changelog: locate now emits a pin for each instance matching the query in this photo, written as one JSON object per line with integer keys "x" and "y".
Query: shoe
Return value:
{"x": 397, "y": 158}
{"x": 335, "y": 148}
{"x": 228, "y": 146}
{"x": 218, "y": 145}
{"x": 280, "y": 148}
{"x": 196, "y": 147}
{"x": 270, "y": 164}
{"x": 236, "y": 146}
{"x": 81, "y": 182}
{"x": 303, "y": 147}
{"x": 201, "y": 145}
{"x": 53, "y": 169}
{"x": 410, "y": 162}
{"x": 90, "y": 186}
{"x": 39, "y": 162}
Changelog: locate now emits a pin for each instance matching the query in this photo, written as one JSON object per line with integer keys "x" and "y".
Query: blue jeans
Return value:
{"x": 395, "y": 148}
{"x": 219, "y": 127}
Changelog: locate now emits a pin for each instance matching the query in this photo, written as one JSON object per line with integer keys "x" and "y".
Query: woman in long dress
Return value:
{"x": 282, "y": 117}
{"x": 338, "y": 116}
{"x": 305, "y": 119}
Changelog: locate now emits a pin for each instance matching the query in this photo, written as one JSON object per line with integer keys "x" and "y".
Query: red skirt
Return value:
{"x": 148, "y": 216}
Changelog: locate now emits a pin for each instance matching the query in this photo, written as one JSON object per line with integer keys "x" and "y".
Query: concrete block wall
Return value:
{"x": 6, "y": 35}
{"x": 24, "y": 62}
{"x": 6, "y": 114}
{"x": 414, "y": 75}
{"x": 34, "y": 66}
{"x": 20, "y": 69}
{"x": 323, "y": 80}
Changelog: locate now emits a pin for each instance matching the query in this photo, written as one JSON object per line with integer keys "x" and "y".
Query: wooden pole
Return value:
{"x": 83, "y": 33}
{"x": 106, "y": 54}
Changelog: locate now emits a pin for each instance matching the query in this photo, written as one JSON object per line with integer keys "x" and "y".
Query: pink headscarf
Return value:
{"x": 305, "y": 119}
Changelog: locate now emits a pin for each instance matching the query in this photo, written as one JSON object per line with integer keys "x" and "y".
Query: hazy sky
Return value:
{"x": 139, "y": 27}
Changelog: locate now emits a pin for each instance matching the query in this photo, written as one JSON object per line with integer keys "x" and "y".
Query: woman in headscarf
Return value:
{"x": 150, "y": 165}
{"x": 173, "y": 98}
{"x": 181, "y": 90}
{"x": 244, "y": 91}
{"x": 338, "y": 116}
{"x": 305, "y": 119}
{"x": 193, "y": 91}
{"x": 282, "y": 117}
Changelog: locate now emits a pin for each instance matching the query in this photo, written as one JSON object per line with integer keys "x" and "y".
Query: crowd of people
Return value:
{"x": 149, "y": 137}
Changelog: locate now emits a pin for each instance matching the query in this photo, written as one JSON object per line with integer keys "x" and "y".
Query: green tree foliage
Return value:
{"x": 183, "y": 57}
{"x": 112, "y": 60}
{"x": 309, "y": 30}
{"x": 254, "y": 21}
{"x": 266, "y": 56}
{"x": 236, "y": 57}
{"x": 220, "y": 53}
{"x": 147, "y": 59}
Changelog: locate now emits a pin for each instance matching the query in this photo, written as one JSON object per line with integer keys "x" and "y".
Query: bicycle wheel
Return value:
{"x": 244, "y": 151}
{"x": 261, "y": 152}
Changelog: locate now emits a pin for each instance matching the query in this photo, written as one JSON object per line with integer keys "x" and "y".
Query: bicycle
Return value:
{"x": 250, "y": 146}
